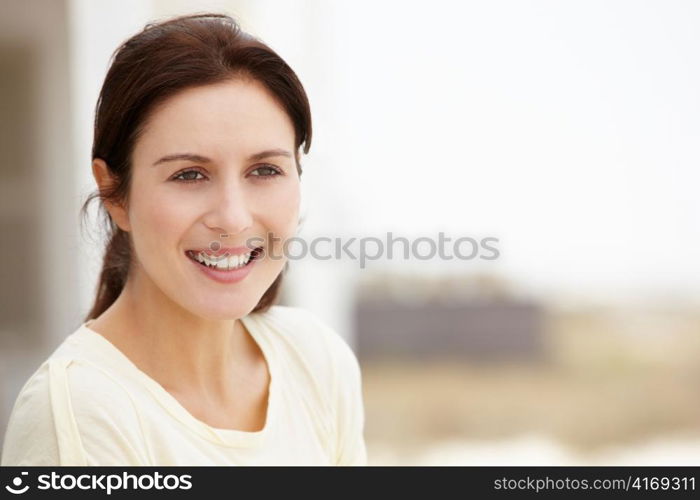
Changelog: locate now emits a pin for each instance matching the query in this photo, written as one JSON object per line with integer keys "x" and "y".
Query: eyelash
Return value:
{"x": 265, "y": 177}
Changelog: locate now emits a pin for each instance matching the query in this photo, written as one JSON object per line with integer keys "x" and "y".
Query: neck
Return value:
{"x": 185, "y": 353}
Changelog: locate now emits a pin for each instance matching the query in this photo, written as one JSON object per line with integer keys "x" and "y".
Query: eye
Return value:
{"x": 270, "y": 171}
{"x": 188, "y": 176}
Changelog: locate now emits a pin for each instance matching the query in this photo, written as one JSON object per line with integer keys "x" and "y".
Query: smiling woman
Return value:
{"x": 184, "y": 357}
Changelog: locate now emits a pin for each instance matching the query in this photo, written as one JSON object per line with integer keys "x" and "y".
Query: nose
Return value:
{"x": 229, "y": 210}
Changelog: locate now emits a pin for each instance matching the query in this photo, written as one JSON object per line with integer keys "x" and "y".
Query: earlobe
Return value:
{"x": 105, "y": 181}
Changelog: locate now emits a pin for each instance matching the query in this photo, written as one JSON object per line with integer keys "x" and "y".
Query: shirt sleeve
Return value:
{"x": 74, "y": 414}
{"x": 30, "y": 437}
{"x": 351, "y": 448}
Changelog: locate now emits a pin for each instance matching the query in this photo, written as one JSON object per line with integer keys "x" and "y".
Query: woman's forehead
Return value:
{"x": 231, "y": 104}
{"x": 236, "y": 116}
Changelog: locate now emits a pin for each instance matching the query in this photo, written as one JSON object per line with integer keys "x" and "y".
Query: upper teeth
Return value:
{"x": 223, "y": 262}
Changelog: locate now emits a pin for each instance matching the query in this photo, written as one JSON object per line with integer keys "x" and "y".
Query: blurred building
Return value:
{"x": 476, "y": 331}
{"x": 468, "y": 317}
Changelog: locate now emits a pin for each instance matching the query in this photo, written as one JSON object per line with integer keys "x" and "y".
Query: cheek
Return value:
{"x": 282, "y": 209}
{"x": 158, "y": 216}
{"x": 279, "y": 215}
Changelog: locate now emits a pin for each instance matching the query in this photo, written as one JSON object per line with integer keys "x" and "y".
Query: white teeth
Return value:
{"x": 223, "y": 264}
{"x": 233, "y": 261}
{"x": 238, "y": 260}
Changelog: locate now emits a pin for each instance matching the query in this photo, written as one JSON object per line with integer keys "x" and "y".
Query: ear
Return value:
{"x": 104, "y": 180}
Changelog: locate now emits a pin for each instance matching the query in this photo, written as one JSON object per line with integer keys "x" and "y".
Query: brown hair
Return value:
{"x": 163, "y": 59}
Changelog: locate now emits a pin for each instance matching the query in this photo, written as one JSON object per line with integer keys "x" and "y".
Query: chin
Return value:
{"x": 225, "y": 310}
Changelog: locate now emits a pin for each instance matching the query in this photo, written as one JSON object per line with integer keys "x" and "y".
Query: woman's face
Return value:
{"x": 180, "y": 205}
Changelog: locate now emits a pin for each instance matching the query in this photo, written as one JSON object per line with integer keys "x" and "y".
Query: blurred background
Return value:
{"x": 567, "y": 130}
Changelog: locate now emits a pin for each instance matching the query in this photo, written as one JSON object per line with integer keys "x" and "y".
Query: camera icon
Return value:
{"x": 17, "y": 483}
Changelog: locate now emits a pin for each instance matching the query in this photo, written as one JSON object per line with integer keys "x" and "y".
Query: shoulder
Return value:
{"x": 105, "y": 415}
{"x": 323, "y": 355}
{"x": 341, "y": 380}
{"x": 311, "y": 337}
{"x": 79, "y": 375}
{"x": 30, "y": 437}
{"x": 96, "y": 392}
{"x": 64, "y": 411}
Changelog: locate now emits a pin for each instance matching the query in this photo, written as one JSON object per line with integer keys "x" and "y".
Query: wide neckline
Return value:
{"x": 225, "y": 437}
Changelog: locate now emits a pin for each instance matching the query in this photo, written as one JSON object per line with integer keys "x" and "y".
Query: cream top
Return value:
{"x": 88, "y": 404}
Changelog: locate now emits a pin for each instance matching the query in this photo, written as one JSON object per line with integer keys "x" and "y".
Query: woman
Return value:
{"x": 184, "y": 359}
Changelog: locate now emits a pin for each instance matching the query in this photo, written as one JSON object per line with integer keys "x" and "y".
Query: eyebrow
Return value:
{"x": 203, "y": 159}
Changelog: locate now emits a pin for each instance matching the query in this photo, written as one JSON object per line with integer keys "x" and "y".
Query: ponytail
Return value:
{"x": 115, "y": 269}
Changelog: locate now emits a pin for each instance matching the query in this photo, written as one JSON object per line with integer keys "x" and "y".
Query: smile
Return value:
{"x": 224, "y": 262}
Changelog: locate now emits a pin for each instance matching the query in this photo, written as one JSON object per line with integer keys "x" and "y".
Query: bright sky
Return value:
{"x": 567, "y": 129}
